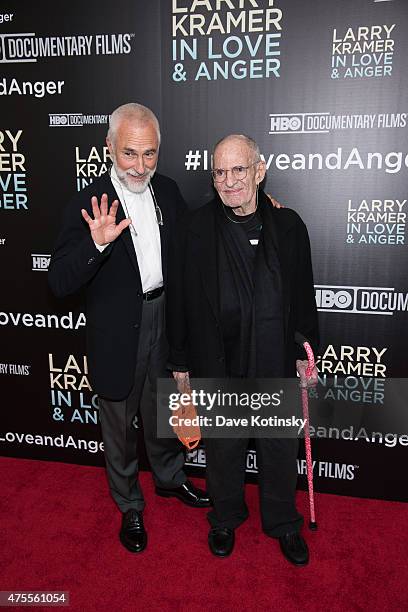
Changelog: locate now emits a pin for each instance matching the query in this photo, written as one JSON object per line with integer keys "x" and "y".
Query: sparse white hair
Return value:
{"x": 250, "y": 142}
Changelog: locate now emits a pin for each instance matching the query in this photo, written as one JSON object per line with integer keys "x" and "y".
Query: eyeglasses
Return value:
{"x": 238, "y": 172}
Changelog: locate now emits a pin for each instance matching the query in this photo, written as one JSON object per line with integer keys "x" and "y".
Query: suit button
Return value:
{"x": 91, "y": 260}
{"x": 139, "y": 294}
{"x": 221, "y": 359}
{"x": 136, "y": 326}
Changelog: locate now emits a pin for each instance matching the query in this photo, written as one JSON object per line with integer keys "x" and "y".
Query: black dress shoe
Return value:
{"x": 188, "y": 494}
{"x": 133, "y": 534}
{"x": 294, "y": 548}
{"x": 221, "y": 541}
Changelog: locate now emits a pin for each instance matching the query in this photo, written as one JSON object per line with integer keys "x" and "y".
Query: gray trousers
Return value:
{"x": 118, "y": 420}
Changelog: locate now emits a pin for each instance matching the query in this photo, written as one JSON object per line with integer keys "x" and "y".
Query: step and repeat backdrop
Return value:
{"x": 321, "y": 85}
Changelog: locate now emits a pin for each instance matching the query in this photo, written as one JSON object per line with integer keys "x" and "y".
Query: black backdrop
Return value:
{"x": 321, "y": 85}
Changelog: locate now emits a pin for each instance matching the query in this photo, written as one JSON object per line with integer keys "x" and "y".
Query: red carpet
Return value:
{"x": 59, "y": 531}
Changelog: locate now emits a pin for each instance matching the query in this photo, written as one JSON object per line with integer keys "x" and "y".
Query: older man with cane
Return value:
{"x": 245, "y": 288}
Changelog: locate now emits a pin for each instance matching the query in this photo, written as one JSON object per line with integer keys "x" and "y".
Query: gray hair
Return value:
{"x": 132, "y": 112}
{"x": 250, "y": 142}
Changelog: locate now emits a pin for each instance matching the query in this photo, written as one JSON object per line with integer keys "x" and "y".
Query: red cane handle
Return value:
{"x": 310, "y": 358}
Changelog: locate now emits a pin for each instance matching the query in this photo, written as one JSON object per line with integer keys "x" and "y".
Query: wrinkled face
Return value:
{"x": 134, "y": 153}
{"x": 239, "y": 194}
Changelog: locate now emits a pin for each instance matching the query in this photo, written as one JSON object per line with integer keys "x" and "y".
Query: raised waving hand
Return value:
{"x": 103, "y": 226}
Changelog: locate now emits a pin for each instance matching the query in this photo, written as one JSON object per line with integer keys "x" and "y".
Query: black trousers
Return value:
{"x": 277, "y": 478}
{"x": 119, "y": 420}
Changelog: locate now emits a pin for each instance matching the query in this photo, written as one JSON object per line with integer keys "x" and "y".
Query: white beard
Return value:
{"x": 125, "y": 177}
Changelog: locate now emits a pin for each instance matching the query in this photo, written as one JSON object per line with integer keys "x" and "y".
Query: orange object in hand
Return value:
{"x": 184, "y": 415}
{"x": 187, "y": 432}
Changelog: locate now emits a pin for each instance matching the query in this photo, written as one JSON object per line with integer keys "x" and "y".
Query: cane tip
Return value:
{"x": 313, "y": 526}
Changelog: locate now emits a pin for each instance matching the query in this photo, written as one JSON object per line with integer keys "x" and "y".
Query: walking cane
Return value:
{"x": 301, "y": 340}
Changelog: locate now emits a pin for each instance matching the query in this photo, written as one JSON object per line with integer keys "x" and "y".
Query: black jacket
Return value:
{"x": 112, "y": 282}
{"x": 193, "y": 321}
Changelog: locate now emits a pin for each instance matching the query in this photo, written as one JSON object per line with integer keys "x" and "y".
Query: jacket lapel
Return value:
{"x": 158, "y": 198}
{"x": 277, "y": 229}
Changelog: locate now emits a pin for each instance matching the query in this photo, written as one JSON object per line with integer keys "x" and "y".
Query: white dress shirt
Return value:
{"x": 144, "y": 231}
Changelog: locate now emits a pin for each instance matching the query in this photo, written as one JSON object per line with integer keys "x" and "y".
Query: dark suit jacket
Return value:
{"x": 112, "y": 282}
{"x": 193, "y": 303}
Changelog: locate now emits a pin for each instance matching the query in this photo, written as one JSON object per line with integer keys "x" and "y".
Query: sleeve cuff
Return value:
{"x": 101, "y": 248}
{"x": 173, "y": 367}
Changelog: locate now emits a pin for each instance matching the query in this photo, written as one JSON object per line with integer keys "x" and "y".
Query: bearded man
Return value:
{"x": 115, "y": 243}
